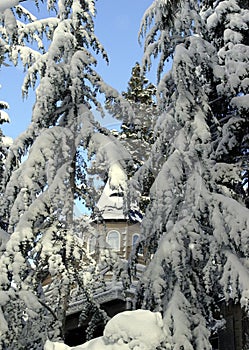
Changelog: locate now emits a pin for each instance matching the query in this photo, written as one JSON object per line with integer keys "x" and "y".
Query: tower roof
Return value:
{"x": 111, "y": 203}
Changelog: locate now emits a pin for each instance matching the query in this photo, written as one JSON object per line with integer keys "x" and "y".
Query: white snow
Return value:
{"x": 232, "y": 36}
{"x": 7, "y": 141}
{"x": 117, "y": 176}
{"x": 30, "y": 300}
{"x": 111, "y": 202}
{"x": 138, "y": 330}
{"x": 4, "y": 117}
{"x": 5, "y": 4}
{"x": 3, "y": 323}
{"x": 142, "y": 326}
{"x": 241, "y": 102}
{"x": 4, "y": 237}
{"x": 108, "y": 150}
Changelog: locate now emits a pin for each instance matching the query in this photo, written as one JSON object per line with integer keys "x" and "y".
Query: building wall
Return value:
{"x": 126, "y": 231}
{"x": 231, "y": 337}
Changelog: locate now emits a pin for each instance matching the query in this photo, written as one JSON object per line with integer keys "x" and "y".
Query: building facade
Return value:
{"x": 116, "y": 234}
{"x": 113, "y": 229}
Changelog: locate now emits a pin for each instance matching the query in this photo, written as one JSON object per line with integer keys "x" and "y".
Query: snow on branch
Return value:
{"x": 6, "y": 4}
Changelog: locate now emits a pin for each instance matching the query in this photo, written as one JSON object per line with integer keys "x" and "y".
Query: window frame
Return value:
{"x": 89, "y": 244}
{"x": 134, "y": 243}
{"x": 118, "y": 240}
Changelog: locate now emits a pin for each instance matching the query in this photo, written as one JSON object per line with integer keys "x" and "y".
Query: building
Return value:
{"x": 234, "y": 334}
{"x": 113, "y": 229}
{"x": 117, "y": 234}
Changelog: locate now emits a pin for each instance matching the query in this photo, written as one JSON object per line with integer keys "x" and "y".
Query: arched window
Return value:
{"x": 92, "y": 244}
{"x": 135, "y": 238}
{"x": 113, "y": 239}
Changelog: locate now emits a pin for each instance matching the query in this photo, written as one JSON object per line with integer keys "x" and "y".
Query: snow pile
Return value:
{"x": 138, "y": 330}
{"x": 55, "y": 346}
{"x": 140, "y": 327}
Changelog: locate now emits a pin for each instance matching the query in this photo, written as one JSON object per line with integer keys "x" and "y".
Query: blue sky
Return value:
{"x": 116, "y": 25}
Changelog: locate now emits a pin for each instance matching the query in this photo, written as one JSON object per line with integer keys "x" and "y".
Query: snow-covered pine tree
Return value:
{"x": 196, "y": 228}
{"x": 5, "y": 142}
{"x": 230, "y": 98}
{"x": 44, "y": 173}
{"x": 136, "y": 132}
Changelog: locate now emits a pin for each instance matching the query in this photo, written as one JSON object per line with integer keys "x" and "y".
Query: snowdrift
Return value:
{"x": 137, "y": 330}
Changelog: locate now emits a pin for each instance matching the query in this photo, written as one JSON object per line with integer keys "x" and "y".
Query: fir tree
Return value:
{"x": 195, "y": 229}
{"x": 227, "y": 31}
{"x": 44, "y": 172}
{"x": 5, "y": 142}
{"x": 136, "y": 133}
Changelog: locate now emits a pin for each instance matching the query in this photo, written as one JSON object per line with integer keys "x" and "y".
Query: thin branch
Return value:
{"x": 44, "y": 304}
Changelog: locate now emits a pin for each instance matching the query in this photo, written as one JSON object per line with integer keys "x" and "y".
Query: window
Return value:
{"x": 92, "y": 244}
{"x": 135, "y": 238}
{"x": 113, "y": 239}
{"x": 214, "y": 340}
